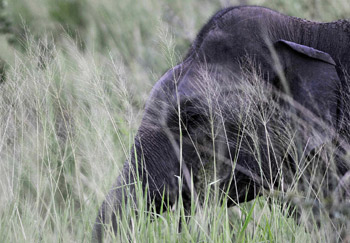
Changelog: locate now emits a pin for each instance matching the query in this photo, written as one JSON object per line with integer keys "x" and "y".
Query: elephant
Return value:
{"x": 250, "y": 74}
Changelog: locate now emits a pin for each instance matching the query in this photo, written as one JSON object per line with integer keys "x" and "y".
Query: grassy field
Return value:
{"x": 75, "y": 77}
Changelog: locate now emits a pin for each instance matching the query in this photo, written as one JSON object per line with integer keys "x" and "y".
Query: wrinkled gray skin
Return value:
{"x": 314, "y": 58}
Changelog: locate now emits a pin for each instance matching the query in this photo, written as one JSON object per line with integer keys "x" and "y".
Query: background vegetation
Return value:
{"x": 74, "y": 76}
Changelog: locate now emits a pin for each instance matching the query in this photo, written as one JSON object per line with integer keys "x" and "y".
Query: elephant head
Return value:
{"x": 248, "y": 88}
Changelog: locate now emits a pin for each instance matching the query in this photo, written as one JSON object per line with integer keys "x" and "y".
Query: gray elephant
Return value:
{"x": 250, "y": 74}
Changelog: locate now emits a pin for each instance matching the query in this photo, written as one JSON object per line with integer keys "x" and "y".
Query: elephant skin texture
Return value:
{"x": 258, "y": 94}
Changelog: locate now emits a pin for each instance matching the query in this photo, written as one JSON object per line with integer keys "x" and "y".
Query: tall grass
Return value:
{"x": 77, "y": 77}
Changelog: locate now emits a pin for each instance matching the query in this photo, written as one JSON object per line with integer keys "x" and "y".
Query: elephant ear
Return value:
{"x": 310, "y": 77}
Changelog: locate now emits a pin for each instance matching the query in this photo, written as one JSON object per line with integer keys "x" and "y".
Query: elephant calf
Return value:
{"x": 258, "y": 96}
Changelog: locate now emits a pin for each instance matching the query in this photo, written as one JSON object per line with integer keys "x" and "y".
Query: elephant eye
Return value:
{"x": 193, "y": 115}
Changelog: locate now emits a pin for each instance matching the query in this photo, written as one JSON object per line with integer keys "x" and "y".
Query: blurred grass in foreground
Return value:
{"x": 77, "y": 75}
